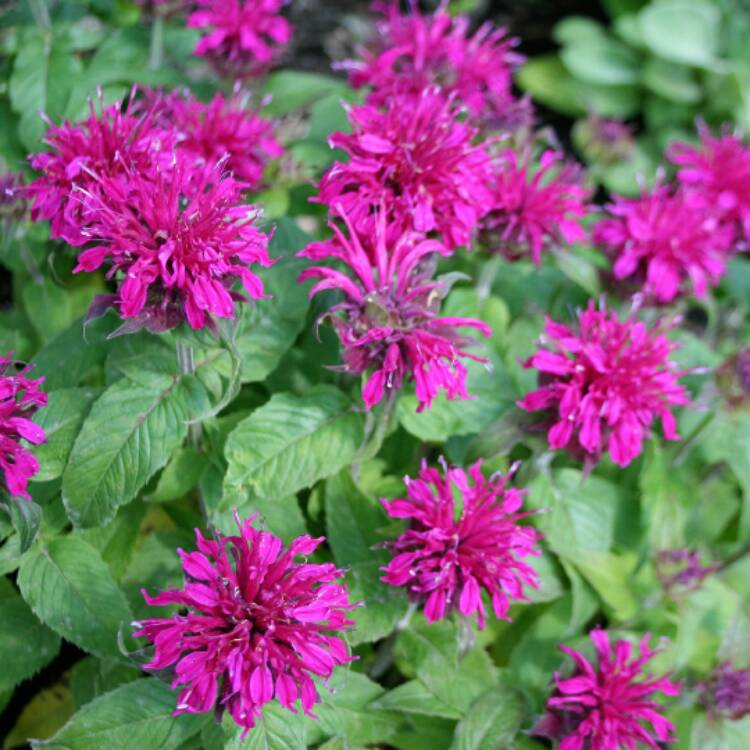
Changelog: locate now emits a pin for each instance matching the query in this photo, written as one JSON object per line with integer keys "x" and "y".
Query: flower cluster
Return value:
{"x": 255, "y": 625}
{"x": 388, "y": 322}
{"x": 727, "y": 692}
{"x": 663, "y": 240}
{"x": 413, "y": 52}
{"x": 106, "y": 144}
{"x": 608, "y": 705}
{"x": 451, "y": 552}
{"x": 148, "y": 190}
{"x": 418, "y": 159}
{"x": 245, "y": 37}
{"x": 20, "y": 397}
{"x": 604, "y": 384}
{"x": 208, "y": 133}
{"x": 178, "y": 240}
{"x": 716, "y": 177}
{"x": 533, "y": 208}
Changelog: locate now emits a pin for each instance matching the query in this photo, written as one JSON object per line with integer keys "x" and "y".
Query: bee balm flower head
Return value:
{"x": 20, "y": 397}
{"x": 417, "y": 158}
{"x": 609, "y": 705}
{"x": 254, "y": 625}
{"x": 245, "y": 37}
{"x": 603, "y": 385}
{"x": 413, "y": 51}
{"x": 176, "y": 243}
{"x": 388, "y": 322}
{"x": 454, "y": 550}
{"x": 666, "y": 243}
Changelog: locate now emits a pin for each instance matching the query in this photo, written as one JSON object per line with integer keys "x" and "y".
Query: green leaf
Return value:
{"x": 492, "y": 394}
{"x": 70, "y": 589}
{"x": 79, "y": 354}
{"x": 42, "y": 716}
{"x": 347, "y": 709}
{"x": 135, "y": 715}
{"x": 434, "y": 651}
{"x": 61, "y": 419}
{"x": 280, "y": 515}
{"x": 48, "y": 307}
{"x": 43, "y": 74}
{"x": 291, "y": 89}
{"x": 672, "y": 81}
{"x": 414, "y": 698}
{"x": 268, "y": 327}
{"x": 180, "y": 475}
{"x": 25, "y": 644}
{"x": 130, "y": 433}
{"x": 602, "y": 60}
{"x": 278, "y": 729}
{"x": 25, "y": 516}
{"x": 610, "y": 576}
{"x": 492, "y": 722}
{"x": 292, "y": 442}
{"x": 579, "y": 269}
{"x": 575, "y": 29}
{"x": 353, "y": 520}
{"x": 683, "y": 31}
{"x": 92, "y": 677}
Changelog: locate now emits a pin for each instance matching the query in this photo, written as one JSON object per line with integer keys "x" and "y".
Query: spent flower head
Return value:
{"x": 419, "y": 159}
{"x": 389, "y": 322}
{"x": 463, "y": 538}
{"x": 20, "y": 398}
{"x": 604, "y": 383}
{"x": 608, "y": 704}
{"x": 727, "y": 692}
{"x": 254, "y": 624}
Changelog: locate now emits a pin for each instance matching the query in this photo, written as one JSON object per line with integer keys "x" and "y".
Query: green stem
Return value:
{"x": 156, "y": 48}
{"x": 487, "y": 277}
{"x": 186, "y": 363}
{"x": 687, "y": 443}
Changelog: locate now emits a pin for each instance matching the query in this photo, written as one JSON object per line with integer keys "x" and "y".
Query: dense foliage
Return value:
{"x": 345, "y": 411}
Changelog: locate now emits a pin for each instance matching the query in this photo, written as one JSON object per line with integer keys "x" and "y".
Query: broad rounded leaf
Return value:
{"x": 601, "y": 60}
{"x": 291, "y": 442}
{"x": 132, "y": 430}
{"x": 135, "y": 715}
{"x": 70, "y": 589}
{"x": 683, "y": 31}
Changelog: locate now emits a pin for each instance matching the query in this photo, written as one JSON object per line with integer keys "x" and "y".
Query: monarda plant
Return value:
{"x": 343, "y": 410}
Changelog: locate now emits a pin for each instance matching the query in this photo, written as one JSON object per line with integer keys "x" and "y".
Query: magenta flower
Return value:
{"x": 112, "y": 142}
{"x": 388, "y": 322}
{"x": 245, "y": 37}
{"x": 727, "y": 692}
{"x": 716, "y": 176}
{"x": 604, "y": 384}
{"x": 608, "y": 706}
{"x": 209, "y": 132}
{"x": 419, "y": 160}
{"x": 533, "y": 208}
{"x": 415, "y": 51}
{"x": 448, "y": 555}
{"x": 20, "y": 397}
{"x": 253, "y": 627}
{"x": 176, "y": 243}
{"x": 664, "y": 242}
